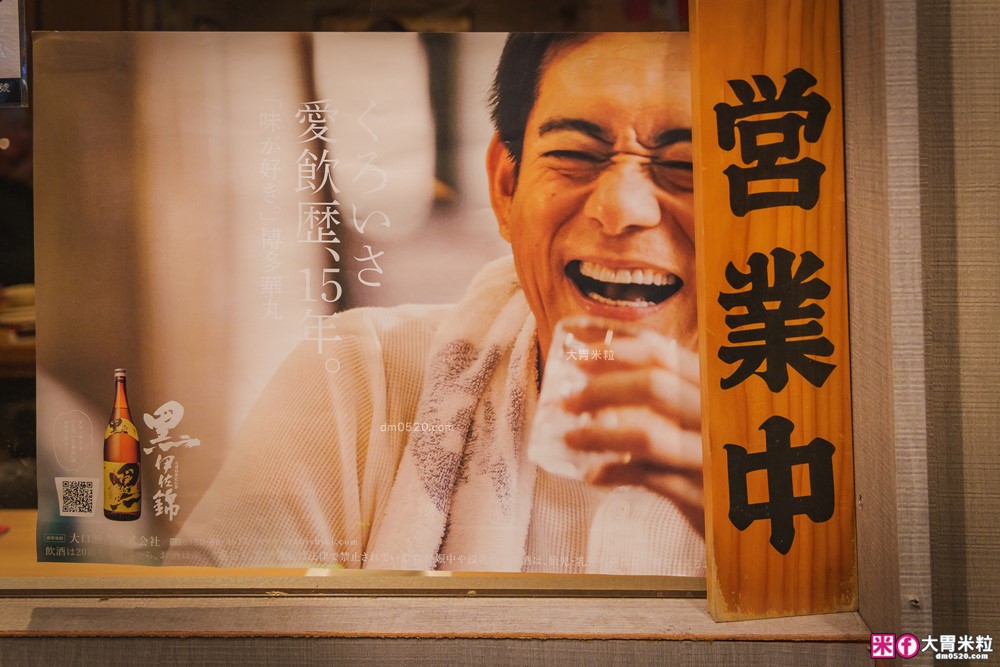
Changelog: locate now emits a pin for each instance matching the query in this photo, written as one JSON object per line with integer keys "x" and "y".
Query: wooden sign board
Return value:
{"x": 772, "y": 290}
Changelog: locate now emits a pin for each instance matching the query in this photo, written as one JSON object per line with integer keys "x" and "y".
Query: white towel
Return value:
{"x": 464, "y": 480}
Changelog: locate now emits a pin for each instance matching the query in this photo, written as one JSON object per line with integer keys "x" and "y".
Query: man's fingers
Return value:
{"x": 662, "y": 448}
{"x": 652, "y": 349}
{"x": 662, "y": 391}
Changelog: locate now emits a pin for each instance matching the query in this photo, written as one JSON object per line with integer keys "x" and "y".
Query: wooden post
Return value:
{"x": 772, "y": 291}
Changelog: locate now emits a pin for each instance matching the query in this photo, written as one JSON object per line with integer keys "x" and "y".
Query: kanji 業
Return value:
{"x": 778, "y": 329}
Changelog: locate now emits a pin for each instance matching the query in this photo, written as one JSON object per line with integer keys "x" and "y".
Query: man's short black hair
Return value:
{"x": 515, "y": 87}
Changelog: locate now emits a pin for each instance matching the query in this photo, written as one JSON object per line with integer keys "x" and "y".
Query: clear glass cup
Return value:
{"x": 582, "y": 346}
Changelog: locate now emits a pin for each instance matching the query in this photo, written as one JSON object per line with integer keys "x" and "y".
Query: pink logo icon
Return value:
{"x": 883, "y": 646}
{"x": 907, "y": 646}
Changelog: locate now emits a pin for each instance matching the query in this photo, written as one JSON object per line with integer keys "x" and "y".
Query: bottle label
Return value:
{"x": 121, "y": 425}
{"x": 122, "y": 493}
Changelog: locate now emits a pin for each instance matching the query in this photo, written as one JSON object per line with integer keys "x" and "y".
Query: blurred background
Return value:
{"x": 449, "y": 204}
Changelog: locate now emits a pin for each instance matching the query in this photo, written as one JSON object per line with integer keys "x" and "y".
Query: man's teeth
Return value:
{"x": 612, "y": 302}
{"x": 626, "y": 276}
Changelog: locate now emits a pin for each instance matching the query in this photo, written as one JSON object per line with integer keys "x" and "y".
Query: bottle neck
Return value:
{"x": 121, "y": 400}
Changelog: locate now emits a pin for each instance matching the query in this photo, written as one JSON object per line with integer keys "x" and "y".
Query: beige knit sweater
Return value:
{"x": 309, "y": 477}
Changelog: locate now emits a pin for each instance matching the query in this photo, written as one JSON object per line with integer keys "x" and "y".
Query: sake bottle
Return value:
{"x": 122, "y": 478}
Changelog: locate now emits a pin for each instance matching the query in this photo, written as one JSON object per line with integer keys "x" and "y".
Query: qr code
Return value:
{"x": 76, "y": 496}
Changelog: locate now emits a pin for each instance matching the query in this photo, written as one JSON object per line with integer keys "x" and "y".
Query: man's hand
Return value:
{"x": 648, "y": 408}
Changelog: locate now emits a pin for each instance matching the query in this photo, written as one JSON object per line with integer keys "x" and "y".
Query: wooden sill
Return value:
{"x": 59, "y": 599}
{"x": 466, "y": 617}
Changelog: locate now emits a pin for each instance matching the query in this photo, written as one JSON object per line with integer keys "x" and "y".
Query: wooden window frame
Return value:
{"x": 890, "y": 434}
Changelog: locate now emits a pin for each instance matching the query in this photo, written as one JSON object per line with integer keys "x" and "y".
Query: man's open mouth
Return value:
{"x": 637, "y": 288}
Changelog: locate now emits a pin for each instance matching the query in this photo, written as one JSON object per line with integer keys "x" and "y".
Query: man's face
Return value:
{"x": 600, "y": 217}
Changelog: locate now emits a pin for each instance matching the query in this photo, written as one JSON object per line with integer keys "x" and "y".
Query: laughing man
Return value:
{"x": 590, "y": 179}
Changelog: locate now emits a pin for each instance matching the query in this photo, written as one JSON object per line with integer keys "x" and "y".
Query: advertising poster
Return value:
{"x": 302, "y": 299}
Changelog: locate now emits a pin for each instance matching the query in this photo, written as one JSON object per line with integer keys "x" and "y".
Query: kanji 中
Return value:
{"x": 782, "y": 504}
